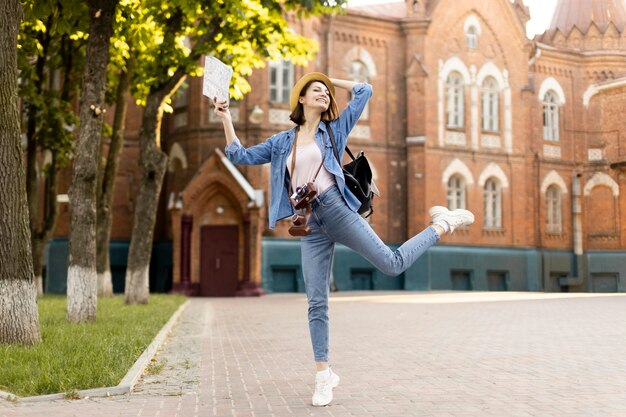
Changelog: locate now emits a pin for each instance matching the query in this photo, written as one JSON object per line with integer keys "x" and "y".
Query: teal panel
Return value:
{"x": 362, "y": 279}
{"x": 608, "y": 263}
{"x": 485, "y": 269}
{"x": 284, "y": 279}
{"x": 417, "y": 276}
{"x": 284, "y": 254}
{"x": 533, "y": 270}
{"x": 446, "y": 261}
{"x": 161, "y": 266}
{"x": 56, "y": 267}
{"x": 279, "y": 258}
{"x": 497, "y": 280}
{"x": 557, "y": 265}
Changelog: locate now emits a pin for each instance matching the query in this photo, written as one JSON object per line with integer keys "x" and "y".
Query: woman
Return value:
{"x": 332, "y": 213}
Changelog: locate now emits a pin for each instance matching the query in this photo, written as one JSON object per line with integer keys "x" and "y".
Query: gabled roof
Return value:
{"x": 218, "y": 162}
{"x": 253, "y": 195}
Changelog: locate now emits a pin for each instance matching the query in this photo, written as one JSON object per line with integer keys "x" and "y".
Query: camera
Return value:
{"x": 303, "y": 195}
{"x": 299, "y": 223}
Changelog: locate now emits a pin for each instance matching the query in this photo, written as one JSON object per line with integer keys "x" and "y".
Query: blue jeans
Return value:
{"x": 332, "y": 222}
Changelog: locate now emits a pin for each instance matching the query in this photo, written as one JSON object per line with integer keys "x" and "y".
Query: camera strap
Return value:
{"x": 293, "y": 161}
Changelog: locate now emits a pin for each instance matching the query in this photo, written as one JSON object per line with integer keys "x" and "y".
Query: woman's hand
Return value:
{"x": 221, "y": 109}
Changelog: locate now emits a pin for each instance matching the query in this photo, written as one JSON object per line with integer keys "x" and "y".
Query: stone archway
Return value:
{"x": 218, "y": 204}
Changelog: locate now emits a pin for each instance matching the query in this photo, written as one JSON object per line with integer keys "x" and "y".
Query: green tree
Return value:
{"x": 244, "y": 34}
{"x": 50, "y": 57}
{"x": 19, "y": 319}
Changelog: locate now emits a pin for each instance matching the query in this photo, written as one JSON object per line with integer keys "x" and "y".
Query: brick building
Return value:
{"x": 467, "y": 111}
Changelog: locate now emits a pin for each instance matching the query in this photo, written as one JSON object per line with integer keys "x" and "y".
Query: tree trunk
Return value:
{"x": 153, "y": 166}
{"x": 19, "y": 319}
{"x": 82, "y": 280}
{"x": 106, "y": 186}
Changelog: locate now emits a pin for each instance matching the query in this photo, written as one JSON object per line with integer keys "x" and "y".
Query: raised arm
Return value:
{"x": 348, "y": 85}
{"x": 254, "y": 155}
{"x": 222, "y": 111}
{"x": 361, "y": 93}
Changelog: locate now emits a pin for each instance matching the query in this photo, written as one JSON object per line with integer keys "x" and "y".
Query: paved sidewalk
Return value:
{"x": 398, "y": 354}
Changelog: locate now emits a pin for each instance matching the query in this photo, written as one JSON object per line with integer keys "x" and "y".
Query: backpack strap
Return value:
{"x": 332, "y": 140}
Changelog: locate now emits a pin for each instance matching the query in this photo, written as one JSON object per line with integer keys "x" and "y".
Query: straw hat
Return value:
{"x": 316, "y": 76}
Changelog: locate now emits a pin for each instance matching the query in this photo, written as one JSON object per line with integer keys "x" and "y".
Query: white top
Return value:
{"x": 308, "y": 159}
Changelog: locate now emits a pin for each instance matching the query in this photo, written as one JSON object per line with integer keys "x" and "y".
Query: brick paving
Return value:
{"x": 398, "y": 354}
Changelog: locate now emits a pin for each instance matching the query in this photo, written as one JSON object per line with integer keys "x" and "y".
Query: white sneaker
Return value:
{"x": 325, "y": 381}
{"x": 455, "y": 218}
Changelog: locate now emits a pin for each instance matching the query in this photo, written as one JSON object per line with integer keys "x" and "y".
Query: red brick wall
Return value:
{"x": 406, "y": 55}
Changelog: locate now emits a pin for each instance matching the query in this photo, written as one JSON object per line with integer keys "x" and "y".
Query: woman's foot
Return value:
{"x": 325, "y": 381}
{"x": 450, "y": 219}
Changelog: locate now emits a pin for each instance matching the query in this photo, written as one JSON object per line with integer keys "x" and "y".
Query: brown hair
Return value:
{"x": 297, "y": 115}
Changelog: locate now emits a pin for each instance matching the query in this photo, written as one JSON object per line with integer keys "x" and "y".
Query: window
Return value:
{"x": 180, "y": 101}
{"x": 456, "y": 192}
{"x": 554, "y": 209}
{"x": 360, "y": 74}
{"x": 490, "y": 105}
{"x": 550, "y": 117}
{"x": 493, "y": 204}
{"x": 181, "y": 96}
{"x": 471, "y": 38}
{"x": 454, "y": 101}
{"x": 281, "y": 80}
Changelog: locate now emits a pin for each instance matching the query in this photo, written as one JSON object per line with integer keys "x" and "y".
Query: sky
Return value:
{"x": 540, "y": 13}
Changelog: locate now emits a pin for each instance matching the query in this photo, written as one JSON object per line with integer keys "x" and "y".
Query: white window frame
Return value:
{"x": 456, "y": 192}
{"x": 359, "y": 73}
{"x": 551, "y": 116}
{"x": 180, "y": 103}
{"x": 490, "y": 105}
{"x": 455, "y": 112}
{"x": 554, "y": 210}
{"x": 471, "y": 37}
{"x": 493, "y": 204}
{"x": 281, "y": 81}
{"x": 181, "y": 96}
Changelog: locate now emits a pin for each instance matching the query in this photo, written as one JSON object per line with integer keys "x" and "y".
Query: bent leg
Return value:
{"x": 354, "y": 232}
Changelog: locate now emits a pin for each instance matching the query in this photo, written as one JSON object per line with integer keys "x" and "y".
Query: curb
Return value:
{"x": 127, "y": 383}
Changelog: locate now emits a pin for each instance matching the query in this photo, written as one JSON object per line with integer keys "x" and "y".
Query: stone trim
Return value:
{"x": 553, "y": 178}
{"x": 493, "y": 170}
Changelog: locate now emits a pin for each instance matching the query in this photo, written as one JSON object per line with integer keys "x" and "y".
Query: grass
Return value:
{"x": 82, "y": 356}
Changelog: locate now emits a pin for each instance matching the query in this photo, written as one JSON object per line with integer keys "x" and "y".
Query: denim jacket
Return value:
{"x": 277, "y": 148}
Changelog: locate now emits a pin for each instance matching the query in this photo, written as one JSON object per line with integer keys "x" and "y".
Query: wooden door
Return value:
{"x": 219, "y": 259}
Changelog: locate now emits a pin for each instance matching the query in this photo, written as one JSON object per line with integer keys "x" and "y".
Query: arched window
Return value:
{"x": 493, "y": 204}
{"x": 456, "y": 192}
{"x": 281, "y": 80}
{"x": 490, "y": 105}
{"x": 550, "y": 117}
{"x": 471, "y": 37}
{"x": 553, "y": 209}
{"x": 360, "y": 74}
{"x": 454, "y": 101}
